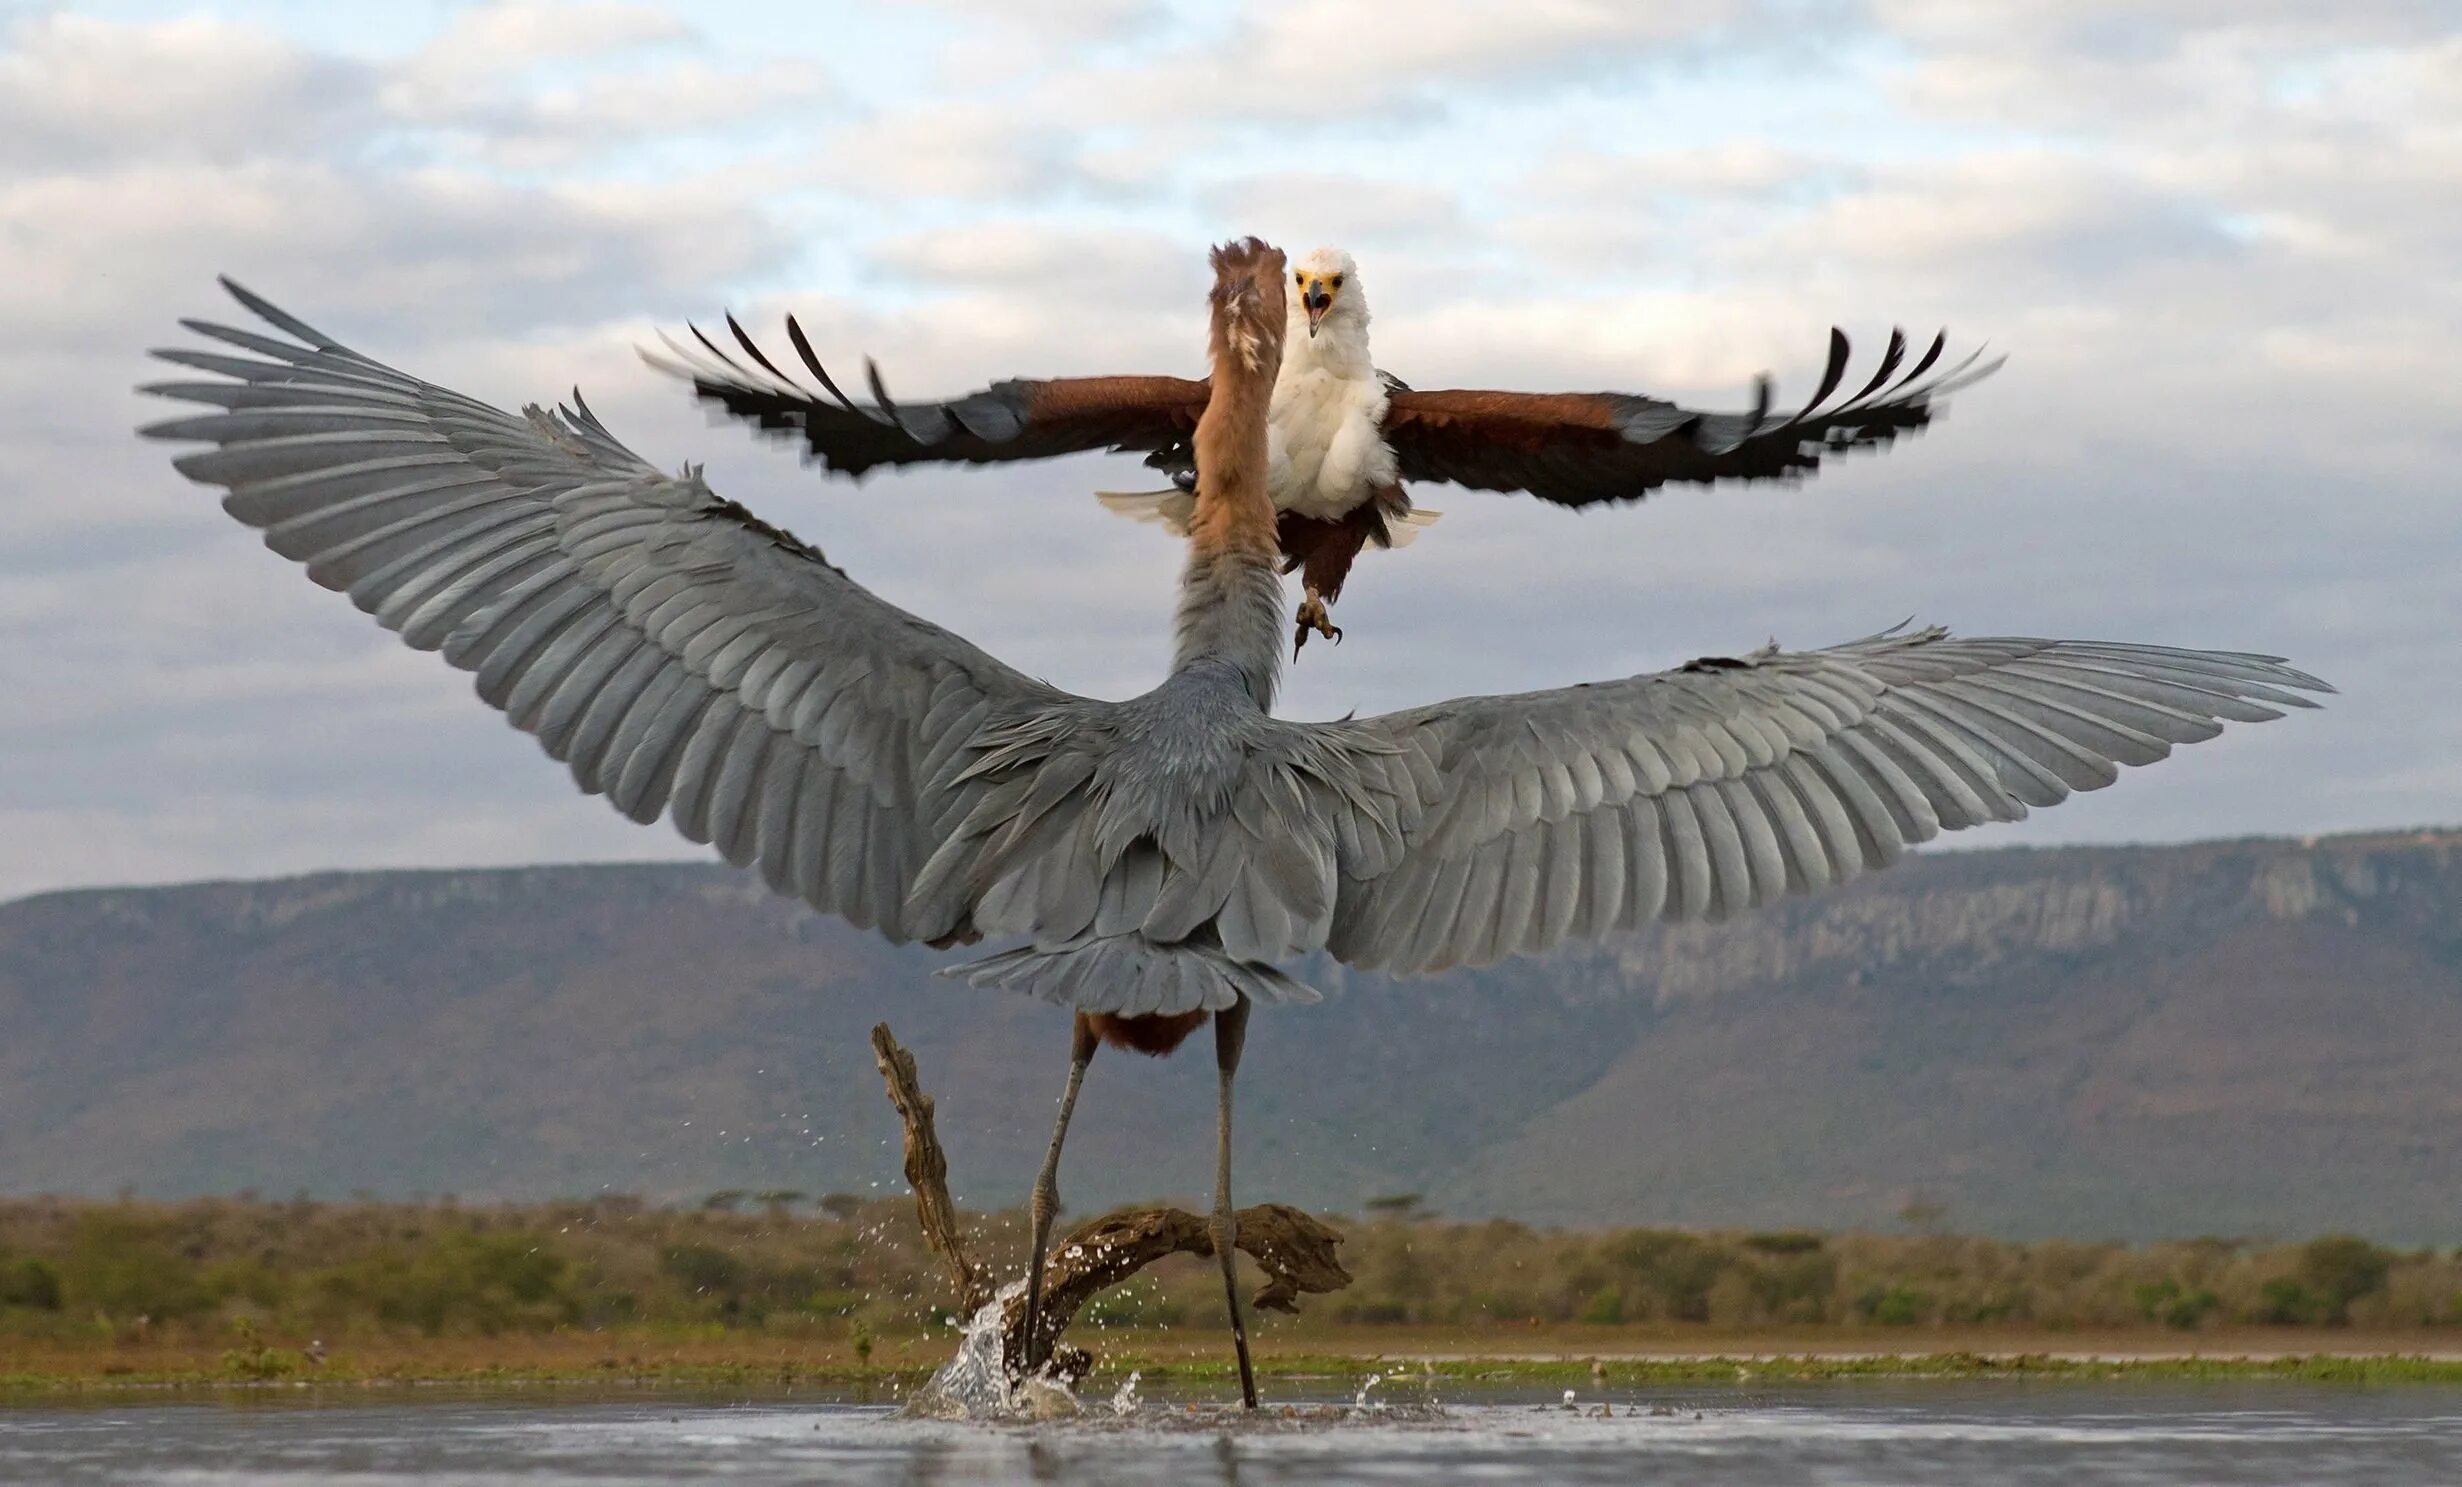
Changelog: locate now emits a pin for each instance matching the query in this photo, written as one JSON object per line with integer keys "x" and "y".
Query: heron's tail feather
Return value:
{"x": 1131, "y": 976}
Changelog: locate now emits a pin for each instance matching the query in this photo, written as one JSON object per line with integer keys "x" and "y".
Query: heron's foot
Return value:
{"x": 1312, "y": 617}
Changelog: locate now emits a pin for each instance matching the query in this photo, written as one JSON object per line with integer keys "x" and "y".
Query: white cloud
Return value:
{"x": 2107, "y": 67}
{"x": 75, "y": 91}
{"x": 489, "y": 84}
{"x": 509, "y": 35}
{"x": 1751, "y": 168}
{"x": 1132, "y": 266}
{"x": 1337, "y": 207}
{"x": 1296, "y": 61}
{"x": 2226, "y": 279}
{"x": 965, "y": 149}
{"x": 99, "y": 254}
{"x": 1072, "y": 21}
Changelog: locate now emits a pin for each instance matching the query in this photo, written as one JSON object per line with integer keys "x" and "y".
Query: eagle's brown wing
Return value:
{"x": 1020, "y": 419}
{"x": 1576, "y": 448}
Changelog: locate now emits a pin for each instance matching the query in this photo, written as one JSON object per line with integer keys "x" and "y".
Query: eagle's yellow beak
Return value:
{"x": 1317, "y": 291}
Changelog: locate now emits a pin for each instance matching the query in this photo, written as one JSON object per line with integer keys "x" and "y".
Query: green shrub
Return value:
{"x": 2284, "y": 1302}
{"x": 461, "y": 1282}
{"x": 1784, "y": 1242}
{"x": 1676, "y": 1269}
{"x": 2340, "y": 1269}
{"x": 123, "y": 1264}
{"x": 701, "y": 1269}
{"x": 29, "y": 1283}
{"x": 2172, "y": 1305}
{"x": 834, "y": 1303}
{"x": 1893, "y": 1306}
{"x": 1606, "y": 1305}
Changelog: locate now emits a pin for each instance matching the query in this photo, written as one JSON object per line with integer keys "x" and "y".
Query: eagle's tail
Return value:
{"x": 1131, "y": 976}
{"x": 1171, "y": 509}
{"x": 1399, "y": 530}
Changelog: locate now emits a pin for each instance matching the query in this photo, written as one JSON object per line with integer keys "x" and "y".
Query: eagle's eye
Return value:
{"x": 1337, "y": 281}
{"x": 1300, "y": 278}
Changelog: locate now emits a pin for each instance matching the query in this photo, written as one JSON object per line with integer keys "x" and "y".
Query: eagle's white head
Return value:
{"x": 1325, "y": 288}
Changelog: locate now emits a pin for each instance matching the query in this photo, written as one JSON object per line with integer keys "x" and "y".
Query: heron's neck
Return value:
{"x": 1231, "y": 591}
{"x": 1231, "y": 616}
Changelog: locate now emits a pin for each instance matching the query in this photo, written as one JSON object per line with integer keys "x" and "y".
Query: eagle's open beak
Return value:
{"x": 1318, "y": 299}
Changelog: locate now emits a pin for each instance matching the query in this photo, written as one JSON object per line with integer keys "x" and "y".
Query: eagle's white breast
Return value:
{"x": 1325, "y": 426}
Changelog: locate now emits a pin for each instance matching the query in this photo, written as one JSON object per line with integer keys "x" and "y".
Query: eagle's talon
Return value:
{"x": 1312, "y": 618}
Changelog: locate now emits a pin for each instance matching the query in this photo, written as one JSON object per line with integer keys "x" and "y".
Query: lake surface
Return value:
{"x": 1838, "y": 1435}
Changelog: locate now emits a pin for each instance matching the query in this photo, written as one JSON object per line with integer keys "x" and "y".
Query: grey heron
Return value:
{"x": 1157, "y": 858}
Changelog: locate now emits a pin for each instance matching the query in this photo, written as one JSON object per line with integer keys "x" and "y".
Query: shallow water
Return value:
{"x": 1838, "y": 1435}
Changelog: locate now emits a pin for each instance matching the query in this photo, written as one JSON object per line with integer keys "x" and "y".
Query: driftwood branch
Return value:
{"x": 927, "y": 1170}
{"x": 1295, "y": 1251}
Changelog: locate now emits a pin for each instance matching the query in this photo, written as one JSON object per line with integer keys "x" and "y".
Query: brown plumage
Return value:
{"x": 1151, "y": 1036}
{"x": 1234, "y": 515}
{"x": 1321, "y": 552}
{"x": 1573, "y": 449}
{"x": 1570, "y": 448}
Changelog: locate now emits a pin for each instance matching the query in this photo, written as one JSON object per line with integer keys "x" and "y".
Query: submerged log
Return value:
{"x": 1295, "y": 1251}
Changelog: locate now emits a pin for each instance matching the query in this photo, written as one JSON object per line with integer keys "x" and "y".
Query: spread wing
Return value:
{"x": 679, "y": 655}
{"x": 1704, "y": 791}
{"x": 1577, "y": 448}
{"x": 1013, "y": 420}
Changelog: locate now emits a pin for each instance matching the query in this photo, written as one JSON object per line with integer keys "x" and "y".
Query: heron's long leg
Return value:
{"x": 1046, "y": 1204}
{"x": 1230, "y": 1031}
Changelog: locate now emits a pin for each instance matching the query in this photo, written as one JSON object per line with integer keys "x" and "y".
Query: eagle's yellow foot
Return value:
{"x": 1312, "y": 617}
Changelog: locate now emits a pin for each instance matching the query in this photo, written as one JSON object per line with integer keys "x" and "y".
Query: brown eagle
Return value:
{"x": 1346, "y": 438}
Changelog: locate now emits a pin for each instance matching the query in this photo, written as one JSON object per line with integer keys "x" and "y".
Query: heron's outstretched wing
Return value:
{"x": 679, "y": 655}
{"x": 1577, "y": 448}
{"x": 1699, "y": 792}
{"x": 1013, "y": 420}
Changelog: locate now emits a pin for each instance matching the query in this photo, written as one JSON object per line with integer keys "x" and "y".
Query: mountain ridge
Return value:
{"x": 2252, "y": 1036}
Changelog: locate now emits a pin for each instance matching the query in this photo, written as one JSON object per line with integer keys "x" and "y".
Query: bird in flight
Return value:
{"x": 1345, "y": 439}
{"x": 1153, "y": 862}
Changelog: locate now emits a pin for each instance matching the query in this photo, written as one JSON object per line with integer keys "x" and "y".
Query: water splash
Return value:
{"x": 1124, "y": 1400}
{"x": 1359, "y": 1401}
{"x": 976, "y": 1385}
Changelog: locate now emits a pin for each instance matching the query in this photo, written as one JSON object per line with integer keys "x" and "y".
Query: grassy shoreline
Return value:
{"x": 784, "y": 1291}
{"x": 1500, "y": 1358}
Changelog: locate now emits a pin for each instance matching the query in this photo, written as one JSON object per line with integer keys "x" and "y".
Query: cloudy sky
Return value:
{"x": 2219, "y": 240}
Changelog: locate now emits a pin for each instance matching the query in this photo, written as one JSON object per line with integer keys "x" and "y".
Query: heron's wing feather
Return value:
{"x": 681, "y": 657}
{"x": 1021, "y": 419}
{"x": 1577, "y": 448}
{"x": 1703, "y": 791}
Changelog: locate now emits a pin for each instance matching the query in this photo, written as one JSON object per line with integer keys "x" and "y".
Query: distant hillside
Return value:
{"x": 2256, "y": 1038}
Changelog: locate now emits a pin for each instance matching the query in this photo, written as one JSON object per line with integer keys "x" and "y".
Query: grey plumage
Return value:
{"x": 1160, "y": 854}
